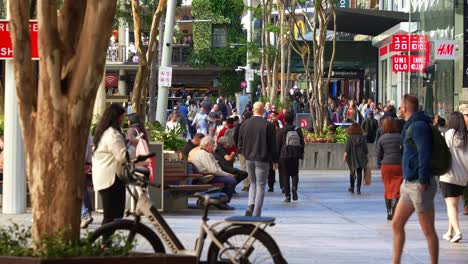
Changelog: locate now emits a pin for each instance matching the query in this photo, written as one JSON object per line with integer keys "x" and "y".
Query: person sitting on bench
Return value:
{"x": 191, "y": 144}
{"x": 206, "y": 163}
{"x": 226, "y": 161}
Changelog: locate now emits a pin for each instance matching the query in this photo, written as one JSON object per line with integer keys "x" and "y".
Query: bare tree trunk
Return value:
{"x": 154, "y": 73}
{"x": 140, "y": 86}
{"x": 55, "y": 119}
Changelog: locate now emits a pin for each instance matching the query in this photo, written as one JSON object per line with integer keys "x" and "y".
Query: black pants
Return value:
{"x": 271, "y": 178}
{"x": 113, "y": 201}
{"x": 352, "y": 178}
{"x": 289, "y": 168}
{"x": 240, "y": 175}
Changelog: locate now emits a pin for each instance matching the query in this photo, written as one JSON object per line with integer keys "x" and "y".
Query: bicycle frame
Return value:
{"x": 145, "y": 208}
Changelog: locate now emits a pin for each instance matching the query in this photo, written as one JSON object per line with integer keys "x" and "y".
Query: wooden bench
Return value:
{"x": 179, "y": 185}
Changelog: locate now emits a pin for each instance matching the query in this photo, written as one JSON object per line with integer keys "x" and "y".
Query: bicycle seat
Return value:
{"x": 251, "y": 219}
{"x": 212, "y": 198}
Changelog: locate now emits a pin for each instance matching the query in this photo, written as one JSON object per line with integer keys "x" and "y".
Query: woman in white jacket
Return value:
{"x": 454, "y": 182}
{"x": 109, "y": 156}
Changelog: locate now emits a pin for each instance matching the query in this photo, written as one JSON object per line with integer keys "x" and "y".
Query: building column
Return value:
{"x": 122, "y": 83}
{"x": 14, "y": 169}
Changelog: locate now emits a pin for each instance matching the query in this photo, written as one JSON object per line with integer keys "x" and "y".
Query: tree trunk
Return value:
{"x": 140, "y": 86}
{"x": 55, "y": 118}
{"x": 283, "y": 51}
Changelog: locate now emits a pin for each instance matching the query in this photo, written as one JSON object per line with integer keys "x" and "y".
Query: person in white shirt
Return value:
{"x": 201, "y": 122}
{"x": 109, "y": 157}
{"x": 173, "y": 125}
{"x": 206, "y": 163}
{"x": 453, "y": 183}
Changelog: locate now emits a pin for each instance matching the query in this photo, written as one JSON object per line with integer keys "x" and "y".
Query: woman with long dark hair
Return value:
{"x": 109, "y": 156}
{"x": 454, "y": 182}
{"x": 389, "y": 156}
{"x": 356, "y": 156}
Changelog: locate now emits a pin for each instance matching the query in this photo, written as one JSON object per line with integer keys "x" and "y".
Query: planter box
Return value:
{"x": 147, "y": 259}
{"x": 329, "y": 156}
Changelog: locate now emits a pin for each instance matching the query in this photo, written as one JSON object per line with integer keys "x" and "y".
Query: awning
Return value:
{"x": 367, "y": 21}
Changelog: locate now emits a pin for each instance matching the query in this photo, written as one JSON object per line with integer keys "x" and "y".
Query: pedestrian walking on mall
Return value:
{"x": 356, "y": 156}
{"x": 243, "y": 166}
{"x": 258, "y": 144}
{"x": 272, "y": 172}
{"x": 419, "y": 188}
{"x": 389, "y": 156}
{"x": 454, "y": 182}
{"x": 110, "y": 153}
{"x": 290, "y": 149}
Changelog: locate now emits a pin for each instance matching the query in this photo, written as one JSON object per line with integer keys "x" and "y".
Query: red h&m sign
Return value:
{"x": 445, "y": 50}
{"x": 406, "y": 63}
{"x": 6, "y": 48}
{"x": 407, "y": 43}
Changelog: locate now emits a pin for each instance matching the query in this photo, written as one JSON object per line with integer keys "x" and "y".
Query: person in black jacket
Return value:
{"x": 289, "y": 157}
{"x": 226, "y": 160}
{"x": 258, "y": 144}
{"x": 370, "y": 126}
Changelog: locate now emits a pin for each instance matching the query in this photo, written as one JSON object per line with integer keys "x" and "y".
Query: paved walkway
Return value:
{"x": 327, "y": 224}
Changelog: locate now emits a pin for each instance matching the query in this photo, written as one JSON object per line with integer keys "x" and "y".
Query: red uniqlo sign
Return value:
{"x": 406, "y": 63}
{"x": 6, "y": 49}
{"x": 407, "y": 43}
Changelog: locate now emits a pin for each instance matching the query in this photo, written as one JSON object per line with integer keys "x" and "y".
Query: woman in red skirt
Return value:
{"x": 389, "y": 154}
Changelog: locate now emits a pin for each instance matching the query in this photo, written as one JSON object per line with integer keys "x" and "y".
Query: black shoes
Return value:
{"x": 351, "y": 189}
{"x": 294, "y": 195}
{"x": 249, "y": 210}
{"x": 225, "y": 206}
{"x": 270, "y": 189}
{"x": 287, "y": 200}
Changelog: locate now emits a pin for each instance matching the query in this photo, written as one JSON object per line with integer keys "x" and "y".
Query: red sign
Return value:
{"x": 6, "y": 49}
{"x": 111, "y": 80}
{"x": 383, "y": 51}
{"x": 243, "y": 85}
{"x": 406, "y": 63}
{"x": 407, "y": 43}
{"x": 304, "y": 123}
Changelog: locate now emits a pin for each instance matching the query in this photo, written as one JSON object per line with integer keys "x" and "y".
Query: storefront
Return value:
{"x": 430, "y": 64}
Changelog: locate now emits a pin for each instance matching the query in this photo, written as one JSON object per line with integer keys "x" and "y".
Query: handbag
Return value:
{"x": 367, "y": 176}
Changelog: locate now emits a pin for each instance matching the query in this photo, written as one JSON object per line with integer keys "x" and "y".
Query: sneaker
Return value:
{"x": 465, "y": 210}
{"x": 457, "y": 237}
{"x": 447, "y": 236}
{"x": 287, "y": 200}
{"x": 245, "y": 189}
{"x": 351, "y": 189}
{"x": 86, "y": 221}
{"x": 270, "y": 189}
{"x": 249, "y": 211}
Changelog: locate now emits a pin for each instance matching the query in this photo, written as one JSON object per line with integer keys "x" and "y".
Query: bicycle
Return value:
{"x": 236, "y": 239}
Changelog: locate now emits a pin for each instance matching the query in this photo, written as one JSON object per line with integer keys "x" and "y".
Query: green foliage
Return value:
{"x": 221, "y": 57}
{"x": 341, "y": 136}
{"x": 172, "y": 140}
{"x": 16, "y": 240}
{"x": 230, "y": 83}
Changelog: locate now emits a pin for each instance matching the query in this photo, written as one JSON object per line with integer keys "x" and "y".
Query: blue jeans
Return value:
{"x": 86, "y": 207}
{"x": 229, "y": 185}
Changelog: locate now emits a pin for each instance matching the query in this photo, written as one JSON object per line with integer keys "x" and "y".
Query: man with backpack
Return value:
{"x": 419, "y": 186}
{"x": 290, "y": 148}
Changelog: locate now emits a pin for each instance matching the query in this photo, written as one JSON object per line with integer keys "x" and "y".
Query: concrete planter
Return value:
{"x": 147, "y": 259}
{"x": 329, "y": 156}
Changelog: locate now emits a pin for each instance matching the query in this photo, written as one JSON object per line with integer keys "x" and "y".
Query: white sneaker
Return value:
{"x": 457, "y": 237}
{"x": 447, "y": 236}
{"x": 86, "y": 221}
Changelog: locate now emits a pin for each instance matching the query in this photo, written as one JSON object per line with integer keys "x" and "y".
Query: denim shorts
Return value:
{"x": 421, "y": 200}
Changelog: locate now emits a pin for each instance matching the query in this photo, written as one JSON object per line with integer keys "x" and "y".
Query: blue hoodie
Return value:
{"x": 417, "y": 159}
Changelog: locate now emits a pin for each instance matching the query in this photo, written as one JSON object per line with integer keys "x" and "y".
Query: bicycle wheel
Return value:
{"x": 122, "y": 233}
{"x": 263, "y": 250}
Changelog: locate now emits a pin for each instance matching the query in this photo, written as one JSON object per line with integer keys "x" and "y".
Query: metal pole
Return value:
{"x": 166, "y": 61}
{"x": 249, "y": 41}
{"x": 409, "y": 53}
{"x": 14, "y": 174}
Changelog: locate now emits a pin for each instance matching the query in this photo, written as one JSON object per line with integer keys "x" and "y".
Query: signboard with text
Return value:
{"x": 165, "y": 76}
{"x": 407, "y": 43}
{"x": 342, "y": 3}
{"x": 445, "y": 50}
{"x": 6, "y": 48}
{"x": 406, "y": 63}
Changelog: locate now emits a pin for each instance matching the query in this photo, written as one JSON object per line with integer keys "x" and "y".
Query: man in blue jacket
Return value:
{"x": 418, "y": 189}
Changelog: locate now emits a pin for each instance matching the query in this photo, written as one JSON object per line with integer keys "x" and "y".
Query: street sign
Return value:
{"x": 165, "y": 76}
{"x": 243, "y": 85}
{"x": 6, "y": 48}
{"x": 342, "y": 3}
{"x": 249, "y": 75}
{"x": 445, "y": 50}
